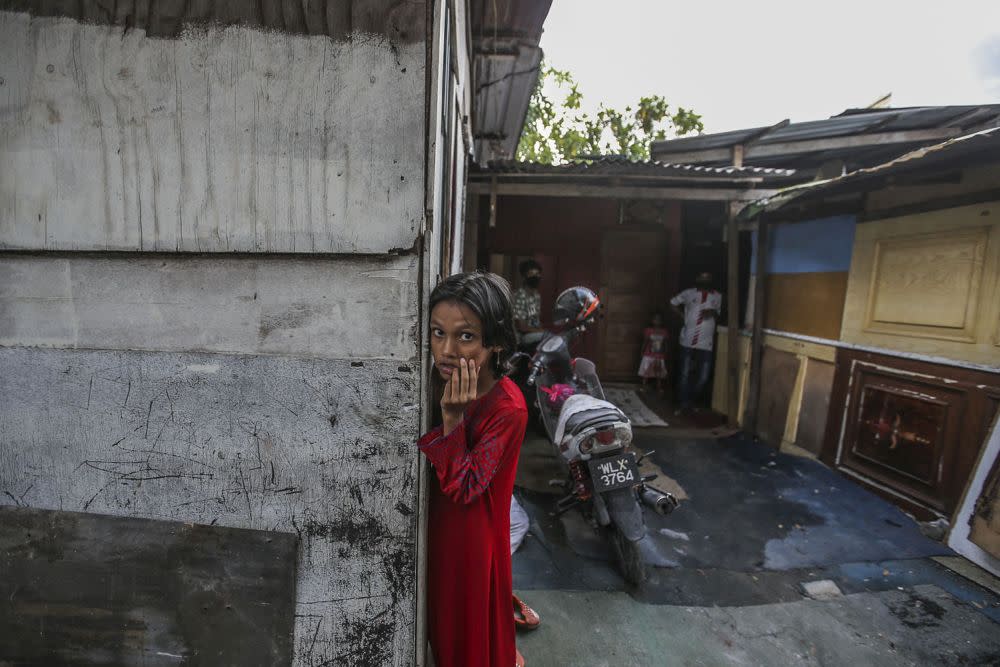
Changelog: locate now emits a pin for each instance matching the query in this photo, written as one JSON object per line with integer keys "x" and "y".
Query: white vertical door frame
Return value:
{"x": 958, "y": 538}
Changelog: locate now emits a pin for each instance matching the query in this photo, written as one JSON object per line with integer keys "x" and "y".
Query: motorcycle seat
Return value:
{"x": 581, "y": 411}
{"x": 599, "y": 418}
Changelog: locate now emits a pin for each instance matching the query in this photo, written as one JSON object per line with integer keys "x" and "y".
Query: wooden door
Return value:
{"x": 632, "y": 288}
{"x": 910, "y": 428}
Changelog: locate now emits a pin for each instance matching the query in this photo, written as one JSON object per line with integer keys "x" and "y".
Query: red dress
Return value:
{"x": 469, "y": 582}
{"x": 653, "y": 363}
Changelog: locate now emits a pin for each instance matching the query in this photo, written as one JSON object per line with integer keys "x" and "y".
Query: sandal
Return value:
{"x": 525, "y": 618}
{"x": 518, "y": 659}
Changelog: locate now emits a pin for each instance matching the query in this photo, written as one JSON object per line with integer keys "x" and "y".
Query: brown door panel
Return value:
{"x": 632, "y": 282}
{"x": 909, "y": 426}
{"x": 899, "y": 429}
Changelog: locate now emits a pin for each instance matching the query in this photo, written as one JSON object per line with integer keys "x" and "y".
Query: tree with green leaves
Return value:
{"x": 557, "y": 130}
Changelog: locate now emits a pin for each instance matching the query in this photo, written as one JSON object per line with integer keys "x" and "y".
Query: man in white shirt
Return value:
{"x": 701, "y": 306}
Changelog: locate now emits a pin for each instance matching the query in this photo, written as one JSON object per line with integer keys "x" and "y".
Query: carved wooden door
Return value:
{"x": 912, "y": 429}
{"x": 632, "y": 287}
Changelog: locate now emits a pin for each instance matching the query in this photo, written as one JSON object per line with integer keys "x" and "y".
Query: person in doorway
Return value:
{"x": 701, "y": 305}
{"x": 527, "y": 303}
{"x": 474, "y": 454}
{"x": 654, "y": 353}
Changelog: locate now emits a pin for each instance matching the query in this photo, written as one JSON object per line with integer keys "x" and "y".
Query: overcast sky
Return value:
{"x": 746, "y": 64}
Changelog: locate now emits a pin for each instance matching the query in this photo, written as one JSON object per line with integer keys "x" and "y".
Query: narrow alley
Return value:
{"x": 729, "y": 565}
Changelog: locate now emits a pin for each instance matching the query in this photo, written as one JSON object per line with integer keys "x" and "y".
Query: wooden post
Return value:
{"x": 470, "y": 249}
{"x": 757, "y": 340}
{"x": 493, "y": 202}
{"x": 738, "y": 155}
{"x": 733, "y": 314}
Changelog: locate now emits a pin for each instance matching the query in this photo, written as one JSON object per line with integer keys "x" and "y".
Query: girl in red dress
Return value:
{"x": 654, "y": 352}
{"x": 474, "y": 454}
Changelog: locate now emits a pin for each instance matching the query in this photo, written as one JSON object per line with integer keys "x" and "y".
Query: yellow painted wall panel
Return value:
{"x": 944, "y": 270}
{"x": 811, "y": 304}
{"x": 807, "y": 352}
{"x": 928, "y": 283}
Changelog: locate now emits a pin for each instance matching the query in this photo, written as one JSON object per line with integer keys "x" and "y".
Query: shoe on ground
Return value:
{"x": 525, "y": 618}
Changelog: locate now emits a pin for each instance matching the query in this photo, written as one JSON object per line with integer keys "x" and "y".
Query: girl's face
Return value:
{"x": 657, "y": 321}
{"x": 456, "y": 333}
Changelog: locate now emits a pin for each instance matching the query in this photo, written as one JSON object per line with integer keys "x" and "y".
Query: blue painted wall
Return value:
{"x": 813, "y": 246}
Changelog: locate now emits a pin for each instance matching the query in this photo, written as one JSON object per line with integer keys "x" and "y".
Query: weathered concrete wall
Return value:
{"x": 316, "y": 447}
{"x": 222, "y": 139}
{"x": 403, "y": 21}
{"x": 344, "y": 308}
{"x": 276, "y": 388}
{"x": 154, "y": 592}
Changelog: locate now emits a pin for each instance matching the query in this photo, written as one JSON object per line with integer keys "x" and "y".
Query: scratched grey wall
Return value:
{"x": 260, "y": 390}
{"x": 272, "y": 443}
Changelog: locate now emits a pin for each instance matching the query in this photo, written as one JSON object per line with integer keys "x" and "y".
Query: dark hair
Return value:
{"x": 528, "y": 265}
{"x": 487, "y": 295}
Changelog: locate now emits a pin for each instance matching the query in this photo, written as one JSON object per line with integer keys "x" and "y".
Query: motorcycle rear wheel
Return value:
{"x": 629, "y": 557}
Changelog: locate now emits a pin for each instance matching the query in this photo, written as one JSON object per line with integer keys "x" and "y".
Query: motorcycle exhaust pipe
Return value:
{"x": 662, "y": 503}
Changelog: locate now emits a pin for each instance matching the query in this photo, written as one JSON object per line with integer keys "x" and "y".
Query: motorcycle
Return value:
{"x": 593, "y": 437}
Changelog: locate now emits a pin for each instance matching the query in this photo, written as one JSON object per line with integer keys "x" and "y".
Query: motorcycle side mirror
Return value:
{"x": 517, "y": 359}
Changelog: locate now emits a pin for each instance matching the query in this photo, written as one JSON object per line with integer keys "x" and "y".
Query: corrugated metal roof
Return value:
{"x": 504, "y": 18}
{"x": 985, "y": 142}
{"x": 505, "y": 61}
{"x": 621, "y": 166}
{"x": 502, "y": 94}
{"x": 850, "y": 123}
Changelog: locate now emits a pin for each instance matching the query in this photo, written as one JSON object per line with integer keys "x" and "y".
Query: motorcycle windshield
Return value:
{"x": 586, "y": 378}
{"x": 547, "y": 408}
{"x": 552, "y": 394}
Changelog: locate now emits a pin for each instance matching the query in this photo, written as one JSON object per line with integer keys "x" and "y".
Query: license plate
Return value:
{"x": 614, "y": 472}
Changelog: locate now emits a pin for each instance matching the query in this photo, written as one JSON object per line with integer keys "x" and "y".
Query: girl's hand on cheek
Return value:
{"x": 461, "y": 390}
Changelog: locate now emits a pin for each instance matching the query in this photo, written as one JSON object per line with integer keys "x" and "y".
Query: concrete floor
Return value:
{"x": 920, "y": 626}
{"x": 725, "y": 588}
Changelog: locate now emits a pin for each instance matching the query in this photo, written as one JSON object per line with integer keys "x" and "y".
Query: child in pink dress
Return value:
{"x": 654, "y": 353}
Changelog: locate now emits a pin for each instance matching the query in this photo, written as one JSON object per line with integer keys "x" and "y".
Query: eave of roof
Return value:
{"x": 858, "y": 137}
{"x": 506, "y": 59}
{"x": 985, "y": 142}
{"x": 619, "y": 167}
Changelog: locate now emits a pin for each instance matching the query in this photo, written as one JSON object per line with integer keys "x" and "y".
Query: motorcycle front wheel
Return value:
{"x": 628, "y": 555}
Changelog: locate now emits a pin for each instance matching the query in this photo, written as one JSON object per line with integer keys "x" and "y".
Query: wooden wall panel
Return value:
{"x": 632, "y": 283}
{"x": 235, "y": 139}
{"x": 781, "y": 369}
{"x": 944, "y": 270}
{"x": 811, "y": 304}
{"x": 928, "y": 283}
{"x": 800, "y": 396}
{"x": 815, "y": 405}
{"x": 248, "y": 304}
